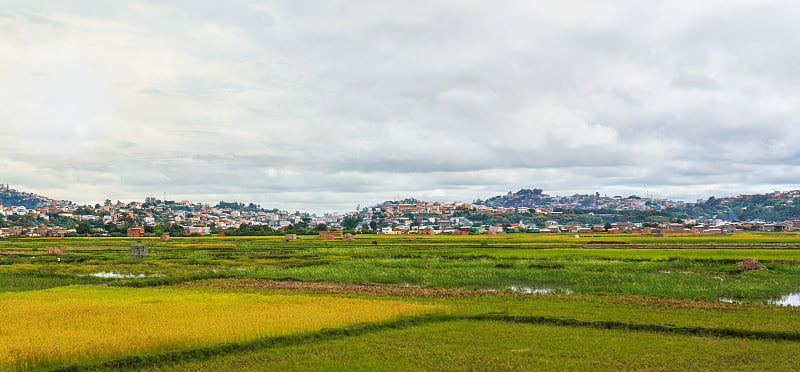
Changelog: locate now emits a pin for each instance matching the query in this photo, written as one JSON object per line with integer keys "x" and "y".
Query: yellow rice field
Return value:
{"x": 85, "y": 323}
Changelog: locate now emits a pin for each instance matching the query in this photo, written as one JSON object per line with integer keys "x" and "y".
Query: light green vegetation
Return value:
{"x": 630, "y": 309}
{"x": 636, "y": 310}
{"x": 492, "y": 345}
{"x": 665, "y": 267}
{"x": 641, "y": 286}
{"x": 683, "y": 279}
{"x": 641, "y": 254}
{"x": 26, "y": 281}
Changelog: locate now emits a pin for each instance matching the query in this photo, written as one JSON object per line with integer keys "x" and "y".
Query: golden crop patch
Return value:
{"x": 85, "y": 323}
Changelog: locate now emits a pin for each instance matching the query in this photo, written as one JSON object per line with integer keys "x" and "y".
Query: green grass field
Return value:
{"x": 510, "y": 302}
{"x": 493, "y": 345}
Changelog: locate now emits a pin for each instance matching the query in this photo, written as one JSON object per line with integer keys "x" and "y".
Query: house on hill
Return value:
{"x": 136, "y": 232}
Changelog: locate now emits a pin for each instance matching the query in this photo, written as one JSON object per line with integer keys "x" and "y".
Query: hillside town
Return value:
{"x": 535, "y": 197}
{"x": 454, "y": 218}
{"x": 46, "y": 219}
{"x": 523, "y": 211}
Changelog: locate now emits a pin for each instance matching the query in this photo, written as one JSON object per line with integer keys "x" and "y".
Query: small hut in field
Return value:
{"x": 139, "y": 250}
{"x": 330, "y": 234}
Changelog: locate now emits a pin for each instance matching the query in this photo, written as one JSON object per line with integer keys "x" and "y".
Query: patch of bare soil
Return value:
{"x": 341, "y": 288}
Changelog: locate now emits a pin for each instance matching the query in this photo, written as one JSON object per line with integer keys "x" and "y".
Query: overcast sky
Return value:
{"x": 324, "y": 105}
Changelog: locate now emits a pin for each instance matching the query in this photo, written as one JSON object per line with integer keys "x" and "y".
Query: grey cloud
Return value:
{"x": 26, "y": 18}
{"x": 126, "y": 144}
{"x": 696, "y": 81}
{"x": 330, "y": 104}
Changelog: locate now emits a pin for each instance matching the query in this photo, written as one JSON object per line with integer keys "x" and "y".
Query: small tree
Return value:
{"x": 83, "y": 228}
{"x": 350, "y": 222}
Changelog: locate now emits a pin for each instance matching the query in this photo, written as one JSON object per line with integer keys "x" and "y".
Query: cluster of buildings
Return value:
{"x": 535, "y": 197}
{"x": 395, "y": 217}
{"x": 38, "y": 231}
{"x": 577, "y": 228}
{"x": 200, "y": 217}
{"x": 197, "y": 218}
{"x": 40, "y": 212}
{"x": 690, "y": 227}
{"x": 415, "y": 217}
{"x": 438, "y": 212}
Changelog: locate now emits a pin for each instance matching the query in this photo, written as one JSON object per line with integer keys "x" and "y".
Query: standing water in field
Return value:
{"x": 539, "y": 290}
{"x": 104, "y": 274}
{"x": 792, "y": 299}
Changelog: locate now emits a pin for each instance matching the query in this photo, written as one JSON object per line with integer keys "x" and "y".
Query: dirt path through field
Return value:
{"x": 340, "y": 288}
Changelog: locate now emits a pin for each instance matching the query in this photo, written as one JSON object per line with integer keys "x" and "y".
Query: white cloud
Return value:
{"x": 330, "y": 104}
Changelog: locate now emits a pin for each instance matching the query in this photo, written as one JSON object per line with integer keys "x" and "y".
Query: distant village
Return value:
{"x": 453, "y": 218}
{"x": 140, "y": 218}
{"x": 577, "y": 214}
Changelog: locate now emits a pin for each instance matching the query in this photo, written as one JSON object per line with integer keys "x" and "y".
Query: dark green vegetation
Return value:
{"x": 640, "y": 303}
{"x": 13, "y": 197}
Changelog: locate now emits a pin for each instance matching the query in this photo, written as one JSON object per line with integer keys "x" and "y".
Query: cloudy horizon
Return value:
{"x": 322, "y": 106}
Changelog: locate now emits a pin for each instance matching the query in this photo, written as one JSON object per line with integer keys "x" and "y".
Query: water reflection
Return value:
{"x": 104, "y": 274}
{"x": 792, "y": 299}
{"x": 539, "y": 290}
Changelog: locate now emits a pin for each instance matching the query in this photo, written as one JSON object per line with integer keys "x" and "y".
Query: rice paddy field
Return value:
{"x": 505, "y": 302}
{"x": 84, "y": 323}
